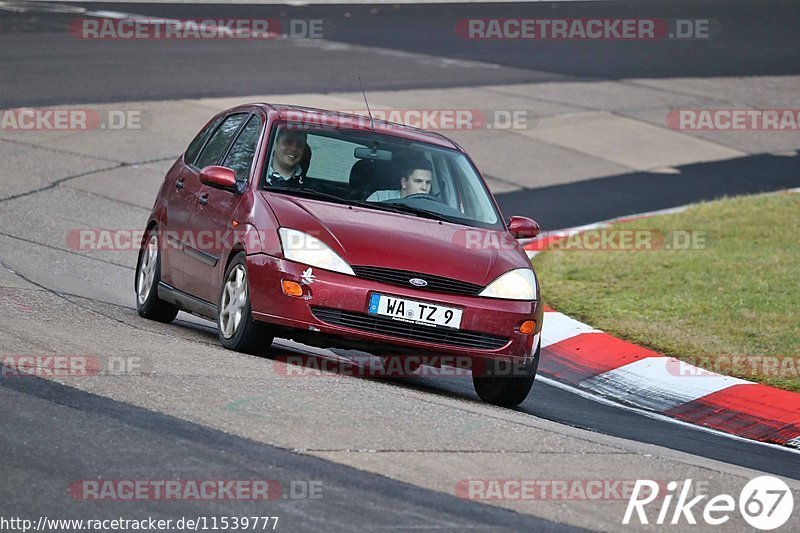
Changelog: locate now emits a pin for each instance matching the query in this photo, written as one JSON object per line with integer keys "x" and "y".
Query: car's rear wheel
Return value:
{"x": 505, "y": 383}
{"x": 237, "y": 329}
{"x": 148, "y": 274}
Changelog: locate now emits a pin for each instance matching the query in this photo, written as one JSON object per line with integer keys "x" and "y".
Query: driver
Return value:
{"x": 416, "y": 178}
{"x": 286, "y": 169}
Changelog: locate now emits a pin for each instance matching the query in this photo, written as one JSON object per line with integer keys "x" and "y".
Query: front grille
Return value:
{"x": 405, "y": 330}
{"x": 401, "y": 277}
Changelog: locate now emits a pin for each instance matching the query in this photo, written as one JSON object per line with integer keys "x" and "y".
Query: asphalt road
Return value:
{"x": 640, "y": 192}
{"x": 42, "y": 64}
{"x": 56, "y": 433}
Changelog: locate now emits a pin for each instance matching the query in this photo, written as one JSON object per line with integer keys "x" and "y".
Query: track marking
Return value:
{"x": 656, "y": 383}
{"x": 664, "y": 418}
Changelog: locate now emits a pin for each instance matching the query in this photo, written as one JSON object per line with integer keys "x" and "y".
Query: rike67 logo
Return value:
{"x": 765, "y": 503}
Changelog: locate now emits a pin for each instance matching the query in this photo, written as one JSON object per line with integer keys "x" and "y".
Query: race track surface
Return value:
{"x": 388, "y": 453}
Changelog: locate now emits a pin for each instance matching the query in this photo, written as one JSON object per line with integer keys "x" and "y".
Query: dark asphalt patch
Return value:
{"x": 56, "y": 435}
{"x": 585, "y": 202}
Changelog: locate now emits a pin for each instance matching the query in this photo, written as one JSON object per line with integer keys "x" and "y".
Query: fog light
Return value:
{"x": 291, "y": 288}
{"x": 527, "y": 327}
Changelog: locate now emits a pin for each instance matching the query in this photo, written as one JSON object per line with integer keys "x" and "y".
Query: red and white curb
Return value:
{"x": 579, "y": 355}
{"x": 576, "y": 354}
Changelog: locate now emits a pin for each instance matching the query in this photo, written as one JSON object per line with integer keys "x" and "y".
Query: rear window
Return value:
{"x": 240, "y": 157}
{"x": 215, "y": 147}
{"x": 198, "y": 142}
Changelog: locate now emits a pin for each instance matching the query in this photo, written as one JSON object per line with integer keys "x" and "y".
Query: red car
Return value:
{"x": 339, "y": 231}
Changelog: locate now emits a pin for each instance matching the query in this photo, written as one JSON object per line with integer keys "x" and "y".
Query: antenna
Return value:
{"x": 371, "y": 120}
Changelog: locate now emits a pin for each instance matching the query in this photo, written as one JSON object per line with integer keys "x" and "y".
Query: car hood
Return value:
{"x": 370, "y": 237}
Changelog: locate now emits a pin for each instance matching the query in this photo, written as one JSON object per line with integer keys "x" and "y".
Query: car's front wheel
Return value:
{"x": 504, "y": 383}
{"x": 237, "y": 329}
{"x": 148, "y": 274}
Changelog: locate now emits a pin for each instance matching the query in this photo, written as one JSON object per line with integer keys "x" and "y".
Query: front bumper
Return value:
{"x": 336, "y": 304}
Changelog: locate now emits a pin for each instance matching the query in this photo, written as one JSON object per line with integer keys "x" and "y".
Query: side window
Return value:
{"x": 197, "y": 143}
{"x": 444, "y": 180}
{"x": 477, "y": 205}
{"x": 240, "y": 158}
{"x": 216, "y": 145}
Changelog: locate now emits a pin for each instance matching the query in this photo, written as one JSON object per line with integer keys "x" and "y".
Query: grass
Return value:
{"x": 736, "y": 294}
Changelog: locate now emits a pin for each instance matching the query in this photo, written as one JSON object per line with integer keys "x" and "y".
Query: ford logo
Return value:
{"x": 418, "y": 282}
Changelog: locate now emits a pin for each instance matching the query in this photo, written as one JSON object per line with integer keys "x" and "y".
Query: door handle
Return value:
{"x": 179, "y": 184}
{"x": 203, "y": 198}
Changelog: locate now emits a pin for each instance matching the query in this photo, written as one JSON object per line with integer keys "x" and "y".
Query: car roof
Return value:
{"x": 314, "y": 115}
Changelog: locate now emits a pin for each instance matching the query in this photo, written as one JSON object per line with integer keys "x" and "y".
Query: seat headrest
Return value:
{"x": 362, "y": 173}
{"x": 368, "y": 176}
{"x": 305, "y": 162}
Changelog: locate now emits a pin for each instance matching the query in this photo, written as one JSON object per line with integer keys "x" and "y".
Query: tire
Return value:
{"x": 504, "y": 383}
{"x": 148, "y": 274}
{"x": 235, "y": 325}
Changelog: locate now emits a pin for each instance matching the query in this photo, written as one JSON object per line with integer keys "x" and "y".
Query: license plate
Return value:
{"x": 414, "y": 311}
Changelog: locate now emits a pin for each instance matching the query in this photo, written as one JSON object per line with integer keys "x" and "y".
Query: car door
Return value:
{"x": 184, "y": 233}
{"x": 213, "y": 215}
{"x": 180, "y": 196}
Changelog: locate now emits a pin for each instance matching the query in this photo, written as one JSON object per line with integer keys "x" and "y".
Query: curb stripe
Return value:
{"x": 649, "y": 383}
{"x": 575, "y": 353}
{"x": 589, "y": 354}
{"x": 579, "y": 355}
{"x": 755, "y": 411}
{"x": 561, "y": 327}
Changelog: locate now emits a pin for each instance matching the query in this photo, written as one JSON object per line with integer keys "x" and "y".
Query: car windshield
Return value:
{"x": 381, "y": 172}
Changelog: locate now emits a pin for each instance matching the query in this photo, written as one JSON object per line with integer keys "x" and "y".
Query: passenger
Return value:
{"x": 416, "y": 178}
{"x": 286, "y": 169}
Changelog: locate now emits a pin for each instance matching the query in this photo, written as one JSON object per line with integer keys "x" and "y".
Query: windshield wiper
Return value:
{"x": 311, "y": 193}
{"x": 405, "y": 208}
{"x": 395, "y": 207}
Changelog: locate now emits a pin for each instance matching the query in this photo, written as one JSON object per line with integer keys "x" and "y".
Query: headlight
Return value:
{"x": 519, "y": 284}
{"x": 303, "y": 248}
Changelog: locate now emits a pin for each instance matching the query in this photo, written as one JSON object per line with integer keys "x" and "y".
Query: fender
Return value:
{"x": 256, "y": 242}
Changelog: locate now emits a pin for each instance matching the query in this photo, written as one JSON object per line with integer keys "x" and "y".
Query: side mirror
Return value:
{"x": 523, "y": 227}
{"x": 218, "y": 177}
